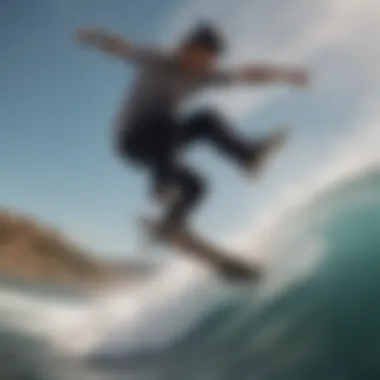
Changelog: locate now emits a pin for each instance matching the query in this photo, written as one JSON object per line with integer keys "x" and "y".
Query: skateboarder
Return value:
{"x": 152, "y": 131}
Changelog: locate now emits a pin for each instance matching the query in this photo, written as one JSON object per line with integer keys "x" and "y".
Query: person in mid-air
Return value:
{"x": 152, "y": 132}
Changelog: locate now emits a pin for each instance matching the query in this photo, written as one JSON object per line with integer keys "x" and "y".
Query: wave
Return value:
{"x": 184, "y": 311}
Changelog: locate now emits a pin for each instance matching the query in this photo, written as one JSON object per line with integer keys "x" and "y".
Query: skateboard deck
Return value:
{"x": 224, "y": 261}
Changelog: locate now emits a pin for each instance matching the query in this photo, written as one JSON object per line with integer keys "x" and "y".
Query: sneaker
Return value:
{"x": 268, "y": 146}
{"x": 238, "y": 271}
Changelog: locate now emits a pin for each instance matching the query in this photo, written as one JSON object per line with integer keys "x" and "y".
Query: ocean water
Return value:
{"x": 315, "y": 317}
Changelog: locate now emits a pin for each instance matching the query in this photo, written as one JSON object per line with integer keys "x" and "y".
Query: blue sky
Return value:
{"x": 58, "y": 103}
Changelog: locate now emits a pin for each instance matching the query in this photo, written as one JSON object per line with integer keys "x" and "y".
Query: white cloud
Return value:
{"x": 290, "y": 31}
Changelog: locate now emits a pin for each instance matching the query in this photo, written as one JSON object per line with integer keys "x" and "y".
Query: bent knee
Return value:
{"x": 193, "y": 185}
{"x": 206, "y": 117}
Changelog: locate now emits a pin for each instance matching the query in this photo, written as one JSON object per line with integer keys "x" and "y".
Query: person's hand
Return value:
{"x": 102, "y": 40}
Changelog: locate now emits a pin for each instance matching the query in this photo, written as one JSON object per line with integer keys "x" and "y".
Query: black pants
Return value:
{"x": 156, "y": 143}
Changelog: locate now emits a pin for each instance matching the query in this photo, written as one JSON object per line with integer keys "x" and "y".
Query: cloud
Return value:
{"x": 300, "y": 31}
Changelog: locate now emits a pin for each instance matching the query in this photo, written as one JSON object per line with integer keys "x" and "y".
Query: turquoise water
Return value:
{"x": 322, "y": 325}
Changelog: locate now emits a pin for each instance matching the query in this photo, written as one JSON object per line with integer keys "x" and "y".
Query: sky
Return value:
{"x": 58, "y": 103}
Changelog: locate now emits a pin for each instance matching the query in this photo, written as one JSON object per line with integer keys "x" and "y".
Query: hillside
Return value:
{"x": 31, "y": 250}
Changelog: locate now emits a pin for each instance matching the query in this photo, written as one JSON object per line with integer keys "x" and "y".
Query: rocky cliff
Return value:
{"x": 31, "y": 250}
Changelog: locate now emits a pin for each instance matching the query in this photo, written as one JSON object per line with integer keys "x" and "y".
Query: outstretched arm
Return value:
{"x": 274, "y": 74}
{"x": 112, "y": 44}
{"x": 265, "y": 74}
